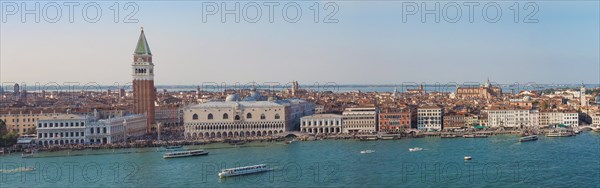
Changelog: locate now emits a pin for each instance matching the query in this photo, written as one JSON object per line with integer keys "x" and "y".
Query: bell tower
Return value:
{"x": 144, "y": 93}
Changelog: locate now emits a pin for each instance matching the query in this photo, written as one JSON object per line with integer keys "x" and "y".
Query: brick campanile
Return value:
{"x": 144, "y": 93}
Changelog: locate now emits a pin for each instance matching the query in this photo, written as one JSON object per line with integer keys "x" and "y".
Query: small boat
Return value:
{"x": 468, "y": 158}
{"x": 449, "y": 136}
{"x": 415, "y": 149}
{"x": 367, "y": 151}
{"x": 528, "y": 138}
{"x": 468, "y": 136}
{"x": 243, "y": 170}
{"x": 189, "y": 153}
{"x": 236, "y": 142}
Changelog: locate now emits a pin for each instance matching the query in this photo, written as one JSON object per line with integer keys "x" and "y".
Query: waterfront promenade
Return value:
{"x": 147, "y": 142}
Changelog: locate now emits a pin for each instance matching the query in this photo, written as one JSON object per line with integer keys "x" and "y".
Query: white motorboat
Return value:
{"x": 415, "y": 149}
{"x": 468, "y": 158}
{"x": 244, "y": 170}
{"x": 367, "y": 151}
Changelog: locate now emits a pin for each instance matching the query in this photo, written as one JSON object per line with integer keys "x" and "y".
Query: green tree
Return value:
{"x": 7, "y": 138}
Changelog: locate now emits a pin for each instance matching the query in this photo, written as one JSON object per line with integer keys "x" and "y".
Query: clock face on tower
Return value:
{"x": 139, "y": 60}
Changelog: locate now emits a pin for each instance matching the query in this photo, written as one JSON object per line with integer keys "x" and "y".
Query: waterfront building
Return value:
{"x": 62, "y": 129}
{"x": 116, "y": 130}
{"x": 430, "y": 118}
{"x": 65, "y": 129}
{"x": 455, "y": 120}
{"x": 595, "y": 118}
{"x": 396, "y": 119}
{"x": 144, "y": 93}
{"x": 487, "y": 91}
{"x": 571, "y": 118}
{"x": 508, "y": 117}
{"x": 359, "y": 120}
{"x": 553, "y": 118}
{"x": 321, "y": 124}
{"x": 21, "y": 122}
{"x": 244, "y": 118}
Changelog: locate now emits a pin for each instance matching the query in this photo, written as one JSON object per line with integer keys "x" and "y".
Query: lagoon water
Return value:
{"x": 498, "y": 161}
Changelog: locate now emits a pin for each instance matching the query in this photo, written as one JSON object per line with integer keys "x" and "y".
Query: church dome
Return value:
{"x": 255, "y": 95}
{"x": 232, "y": 97}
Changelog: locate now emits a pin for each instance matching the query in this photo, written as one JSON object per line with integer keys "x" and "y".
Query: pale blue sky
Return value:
{"x": 369, "y": 45}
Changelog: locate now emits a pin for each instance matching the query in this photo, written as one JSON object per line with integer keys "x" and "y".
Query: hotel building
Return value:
{"x": 396, "y": 119}
{"x": 508, "y": 117}
{"x": 455, "y": 120}
{"x": 430, "y": 118}
{"x": 359, "y": 120}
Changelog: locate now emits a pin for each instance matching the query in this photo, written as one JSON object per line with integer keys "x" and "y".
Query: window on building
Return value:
{"x": 249, "y": 116}
{"x": 210, "y": 116}
{"x": 276, "y": 116}
{"x": 195, "y": 116}
{"x": 225, "y": 116}
{"x": 262, "y": 116}
{"x": 237, "y": 117}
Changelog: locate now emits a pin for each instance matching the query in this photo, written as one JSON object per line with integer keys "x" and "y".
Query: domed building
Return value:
{"x": 487, "y": 90}
{"x": 232, "y": 98}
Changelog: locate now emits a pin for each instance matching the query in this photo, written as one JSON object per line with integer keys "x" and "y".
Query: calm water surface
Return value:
{"x": 499, "y": 161}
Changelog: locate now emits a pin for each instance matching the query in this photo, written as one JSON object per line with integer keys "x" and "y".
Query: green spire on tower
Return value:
{"x": 142, "y": 47}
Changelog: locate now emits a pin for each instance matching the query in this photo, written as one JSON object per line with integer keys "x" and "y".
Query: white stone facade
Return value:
{"x": 429, "y": 118}
{"x": 359, "y": 120}
{"x": 321, "y": 124}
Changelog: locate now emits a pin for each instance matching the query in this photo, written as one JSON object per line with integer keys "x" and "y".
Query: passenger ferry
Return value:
{"x": 560, "y": 133}
{"x": 243, "y": 170}
{"x": 189, "y": 153}
{"x": 528, "y": 138}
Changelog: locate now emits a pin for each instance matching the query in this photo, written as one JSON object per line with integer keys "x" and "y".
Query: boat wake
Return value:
{"x": 20, "y": 169}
